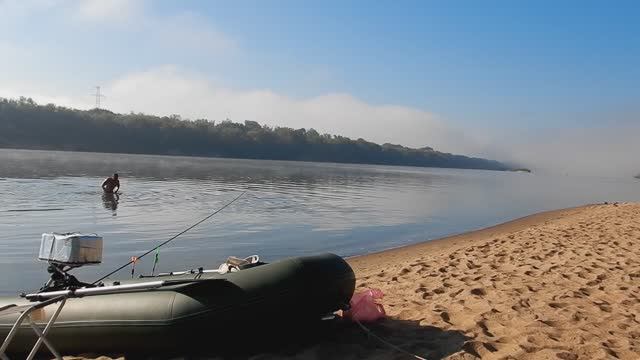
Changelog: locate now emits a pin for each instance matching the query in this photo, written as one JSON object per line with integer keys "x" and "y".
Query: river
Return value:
{"x": 289, "y": 209}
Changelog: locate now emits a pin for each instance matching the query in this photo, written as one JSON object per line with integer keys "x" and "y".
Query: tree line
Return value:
{"x": 28, "y": 125}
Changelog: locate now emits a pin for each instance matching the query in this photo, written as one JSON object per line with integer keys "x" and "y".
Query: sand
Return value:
{"x": 556, "y": 285}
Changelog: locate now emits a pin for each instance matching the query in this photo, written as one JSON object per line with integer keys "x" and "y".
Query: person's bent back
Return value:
{"x": 111, "y": 184}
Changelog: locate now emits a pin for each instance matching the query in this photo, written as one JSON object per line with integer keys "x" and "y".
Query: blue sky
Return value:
{"x": 463, "y": 76}
{"x": 501, "y": 58}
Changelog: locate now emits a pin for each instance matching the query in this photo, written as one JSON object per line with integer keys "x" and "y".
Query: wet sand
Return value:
{"x": 562, "y": 284}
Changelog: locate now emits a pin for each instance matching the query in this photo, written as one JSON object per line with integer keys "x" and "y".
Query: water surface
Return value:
{"x": 290, "y": 208}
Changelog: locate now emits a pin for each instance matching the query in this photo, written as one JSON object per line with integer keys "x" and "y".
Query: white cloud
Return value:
{"x": 61, "y": 100}
{"x": 181, "y": 32}
{"x": 30, "y": 91}
{"x": 18, "y": 7}
{"x": 14, "y": 11}
{"x": 109, "y": 10}
{"x": 170, "y": 90}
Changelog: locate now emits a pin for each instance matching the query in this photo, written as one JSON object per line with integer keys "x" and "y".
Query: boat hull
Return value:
{"x": 216, "y": 309}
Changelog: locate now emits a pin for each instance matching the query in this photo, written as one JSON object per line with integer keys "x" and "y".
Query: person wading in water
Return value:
{"x": 111, "y": 184}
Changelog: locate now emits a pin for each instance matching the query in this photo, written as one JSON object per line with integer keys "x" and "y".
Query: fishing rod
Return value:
{"x": 134, "y": 259}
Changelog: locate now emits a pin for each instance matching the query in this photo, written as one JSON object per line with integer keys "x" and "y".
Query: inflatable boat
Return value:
{"x": 178, "y": 312}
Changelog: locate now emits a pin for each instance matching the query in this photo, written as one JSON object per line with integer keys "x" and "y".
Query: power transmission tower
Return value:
{"x": 98, "y": 96}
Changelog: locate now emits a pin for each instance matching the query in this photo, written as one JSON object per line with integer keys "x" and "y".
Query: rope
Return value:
{"x": 172, "y": 238}
{"x": 385, "y": 342}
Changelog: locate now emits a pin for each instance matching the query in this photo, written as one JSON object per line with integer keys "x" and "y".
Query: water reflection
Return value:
{"x": 110, "y": 202}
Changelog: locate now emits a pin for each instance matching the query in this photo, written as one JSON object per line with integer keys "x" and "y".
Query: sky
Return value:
{"x": 550, "y": 85}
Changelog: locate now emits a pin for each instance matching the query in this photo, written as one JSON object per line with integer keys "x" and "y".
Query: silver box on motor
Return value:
{"x": 71, "y": 248}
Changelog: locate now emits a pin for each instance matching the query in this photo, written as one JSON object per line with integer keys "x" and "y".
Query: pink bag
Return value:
{"x": 365, "y": 308}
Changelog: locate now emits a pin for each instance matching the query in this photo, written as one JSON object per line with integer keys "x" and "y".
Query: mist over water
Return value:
{"x": 290, "y": 208}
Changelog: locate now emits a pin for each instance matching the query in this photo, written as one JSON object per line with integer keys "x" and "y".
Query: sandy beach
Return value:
{"x": 562, "y": 284}
{"x": 557, "y": 285}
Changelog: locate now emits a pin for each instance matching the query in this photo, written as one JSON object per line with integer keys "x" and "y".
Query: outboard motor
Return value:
{"x": 67, "y": 251}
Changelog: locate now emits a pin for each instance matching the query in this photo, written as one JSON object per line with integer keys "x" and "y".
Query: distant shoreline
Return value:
{"x": 28, "y": 125}
{"x": 45, "y": 150}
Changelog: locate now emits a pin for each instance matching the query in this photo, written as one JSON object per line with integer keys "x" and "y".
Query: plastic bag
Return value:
{"x": 365, "y": 308}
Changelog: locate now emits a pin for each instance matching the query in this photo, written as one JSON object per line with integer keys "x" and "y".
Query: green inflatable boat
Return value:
{"x": 194, "y": 310}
